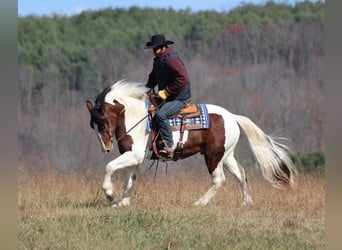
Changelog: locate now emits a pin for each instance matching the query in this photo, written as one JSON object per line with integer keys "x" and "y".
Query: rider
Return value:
{"x": 170, "y": 75}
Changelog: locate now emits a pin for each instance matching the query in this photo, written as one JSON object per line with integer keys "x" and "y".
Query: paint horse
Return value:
{"x": 118, "y": 115}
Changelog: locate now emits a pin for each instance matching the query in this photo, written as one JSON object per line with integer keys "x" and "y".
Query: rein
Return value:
{"x": 120, "y": 138}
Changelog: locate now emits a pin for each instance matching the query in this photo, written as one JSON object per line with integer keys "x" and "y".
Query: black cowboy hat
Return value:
{"x": 156, "y": 41}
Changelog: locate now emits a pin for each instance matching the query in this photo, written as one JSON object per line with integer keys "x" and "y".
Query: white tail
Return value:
{"x": 271, "y": 155}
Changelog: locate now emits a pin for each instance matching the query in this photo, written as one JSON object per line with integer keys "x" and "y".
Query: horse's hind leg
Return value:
{"x": 237, "y": 170}
{"x": 217, "y": 179}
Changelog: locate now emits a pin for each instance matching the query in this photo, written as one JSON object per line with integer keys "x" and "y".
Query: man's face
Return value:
{"x": 158, "y": 51}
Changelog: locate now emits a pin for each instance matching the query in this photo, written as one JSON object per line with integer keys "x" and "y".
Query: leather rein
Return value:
{"x": 142, "y": 119}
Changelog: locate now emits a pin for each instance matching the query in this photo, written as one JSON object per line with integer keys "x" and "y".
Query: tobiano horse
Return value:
{"x": 119, "y": 115}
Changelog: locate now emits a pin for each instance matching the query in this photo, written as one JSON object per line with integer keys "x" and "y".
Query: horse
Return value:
{"x": 120, "y": 113}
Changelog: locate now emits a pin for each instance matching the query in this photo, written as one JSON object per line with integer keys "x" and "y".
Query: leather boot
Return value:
{"x": 166, "y": 152}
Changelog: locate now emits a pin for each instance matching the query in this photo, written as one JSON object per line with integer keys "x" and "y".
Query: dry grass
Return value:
{"x": 70, "y": 212}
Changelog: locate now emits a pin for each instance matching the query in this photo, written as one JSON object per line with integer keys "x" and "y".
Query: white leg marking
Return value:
{"x": 218, "y": 178}
{"x": 128, "y": 187}
{"x": 233, "y": 166}
{"x": 125, "y": 160}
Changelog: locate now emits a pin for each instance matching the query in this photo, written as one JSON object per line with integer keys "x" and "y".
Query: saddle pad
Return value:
{"x": 199, "y": 122}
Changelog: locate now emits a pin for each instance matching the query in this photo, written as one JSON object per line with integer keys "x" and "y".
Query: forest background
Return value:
{"x": 262, "y": 61}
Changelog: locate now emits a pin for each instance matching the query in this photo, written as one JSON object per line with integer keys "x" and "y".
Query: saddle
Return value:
{"x": 190, "y": 110}
{"x": 178, "y": 122}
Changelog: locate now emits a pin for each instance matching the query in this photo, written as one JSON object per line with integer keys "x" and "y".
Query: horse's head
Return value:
{"x": 108, "y": 120}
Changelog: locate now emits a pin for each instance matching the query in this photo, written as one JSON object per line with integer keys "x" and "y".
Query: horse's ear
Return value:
{"x": 89, "y": 105}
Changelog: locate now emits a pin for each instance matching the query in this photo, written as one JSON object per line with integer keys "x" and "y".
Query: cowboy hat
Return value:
{"x": 156, "y": 41}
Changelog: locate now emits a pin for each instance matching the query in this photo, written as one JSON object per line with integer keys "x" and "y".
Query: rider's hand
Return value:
{"x": 163, "y": 94}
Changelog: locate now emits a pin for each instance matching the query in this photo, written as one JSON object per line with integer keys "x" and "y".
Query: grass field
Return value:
{"x": 70, "y": 212}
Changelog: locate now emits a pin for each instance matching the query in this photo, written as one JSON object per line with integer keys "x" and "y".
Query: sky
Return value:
{"x": 73, "y": 7}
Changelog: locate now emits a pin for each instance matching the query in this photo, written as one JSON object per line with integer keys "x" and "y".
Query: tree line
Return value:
{"x": 263, "y": 61}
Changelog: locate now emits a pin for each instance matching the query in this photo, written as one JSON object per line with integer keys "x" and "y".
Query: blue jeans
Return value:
{"x": 162, "y": 115}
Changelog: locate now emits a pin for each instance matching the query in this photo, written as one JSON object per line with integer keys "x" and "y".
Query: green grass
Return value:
{"x": 61, "y": 213}
{"x": 137, "y": 229}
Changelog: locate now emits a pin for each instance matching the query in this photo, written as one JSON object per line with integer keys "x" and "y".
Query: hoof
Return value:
{"x": 109, "y": 197}
{"x": 247, "y": 203}
{"x": 200, "y": 203}
{"x": 122, "y": 203}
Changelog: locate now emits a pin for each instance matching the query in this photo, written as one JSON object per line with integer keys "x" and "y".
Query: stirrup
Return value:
{"x": 166, "y": 152}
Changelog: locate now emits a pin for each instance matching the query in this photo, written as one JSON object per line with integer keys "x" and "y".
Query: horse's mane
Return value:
{"x": 123, "y": 90}
{"x": 101, "y": 97}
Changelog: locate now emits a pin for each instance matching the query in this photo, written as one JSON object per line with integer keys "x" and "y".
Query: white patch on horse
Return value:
{"x": 176, "y": 138}
{"x": 125, "y": 160}
{"x": 103, "y": 147}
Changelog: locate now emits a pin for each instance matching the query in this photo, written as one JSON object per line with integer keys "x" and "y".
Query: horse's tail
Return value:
{"x": 272, "y": 156}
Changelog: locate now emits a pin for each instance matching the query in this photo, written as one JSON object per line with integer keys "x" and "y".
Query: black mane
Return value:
{"x": 101, "y": 97}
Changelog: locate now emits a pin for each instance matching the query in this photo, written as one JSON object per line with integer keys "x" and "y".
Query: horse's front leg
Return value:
{"x": 125, "y": 160}
{"x": 128, "y": 188}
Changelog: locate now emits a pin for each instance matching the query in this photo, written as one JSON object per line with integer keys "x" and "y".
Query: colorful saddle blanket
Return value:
{"x": 199, "y": 122}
